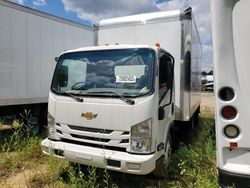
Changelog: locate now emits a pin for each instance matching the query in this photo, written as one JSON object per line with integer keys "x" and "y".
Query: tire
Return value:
{"x": 162, "y": 164}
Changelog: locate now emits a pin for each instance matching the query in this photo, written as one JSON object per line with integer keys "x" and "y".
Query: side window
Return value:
{"x": 165, "y": 75}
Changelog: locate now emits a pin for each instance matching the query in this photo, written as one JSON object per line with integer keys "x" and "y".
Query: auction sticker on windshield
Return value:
{"x": 125, "y": 79}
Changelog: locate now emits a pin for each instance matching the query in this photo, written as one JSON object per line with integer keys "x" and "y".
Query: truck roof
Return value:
{"x": 145, "y": 18}
{"x": 110, "y": 47}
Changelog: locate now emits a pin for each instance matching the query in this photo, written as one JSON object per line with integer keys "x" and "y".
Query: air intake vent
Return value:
{"x": 125, "y": 133}
{"x": 114, "y": 163}
{"x": 90, "y": 138}
{"x": 124, "y": 141}
{"x": 92, "y": 130}
{"x": 58, "y": 131}
{"x": 58, "y": 124}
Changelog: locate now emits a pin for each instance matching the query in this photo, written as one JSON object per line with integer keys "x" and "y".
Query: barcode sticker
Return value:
{"x": 125, "y": 79}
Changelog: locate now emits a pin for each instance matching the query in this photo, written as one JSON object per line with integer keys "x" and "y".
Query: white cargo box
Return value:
{"x": 30, "y": 40}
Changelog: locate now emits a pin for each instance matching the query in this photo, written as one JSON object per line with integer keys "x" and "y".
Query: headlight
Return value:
{"x": 52, "y": 127}
{"x": 141, "y": 135}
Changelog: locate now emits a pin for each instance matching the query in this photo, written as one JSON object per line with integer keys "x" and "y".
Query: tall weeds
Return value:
{"x": 193, "y": 164}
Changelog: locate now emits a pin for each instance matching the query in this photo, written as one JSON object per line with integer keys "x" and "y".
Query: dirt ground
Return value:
{"x": 208, "y": 99}
{"x": 21, "y": 179}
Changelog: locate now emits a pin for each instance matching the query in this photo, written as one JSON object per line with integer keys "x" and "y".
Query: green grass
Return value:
{"x": 21, "y": 151}
{"x": 192, "y": 165}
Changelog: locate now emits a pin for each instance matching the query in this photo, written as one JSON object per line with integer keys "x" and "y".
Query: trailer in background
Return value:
{"x": 30, "y": 40}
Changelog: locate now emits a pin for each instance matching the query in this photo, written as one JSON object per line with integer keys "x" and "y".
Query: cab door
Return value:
{"x": 166, "y": 94}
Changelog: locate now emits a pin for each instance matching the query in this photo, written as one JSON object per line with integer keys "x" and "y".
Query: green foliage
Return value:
{"x": 17, "y": 151}
{"x": 19, "y": 136}
{"x": 88, "y": 177}
{"x": 19, "y": 148}
{"x": 63, "y": 174}
{"x": 14, "y": 140}
{"x": 193, "y": 165}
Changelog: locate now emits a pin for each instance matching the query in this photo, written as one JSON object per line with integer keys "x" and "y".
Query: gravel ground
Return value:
{"x": 208, "y": 99}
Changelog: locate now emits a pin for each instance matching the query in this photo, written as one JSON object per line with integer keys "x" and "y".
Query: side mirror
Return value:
{"x": 170, "y": 73}
{"x": 167, "y": 75}
{"x": 170, "y": 78}
{"x": 63, "y": 76}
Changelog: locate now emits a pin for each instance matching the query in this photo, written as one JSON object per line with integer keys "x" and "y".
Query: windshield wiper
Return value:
{"x": 73, "y": 96}
{"x": 125, "y": 99}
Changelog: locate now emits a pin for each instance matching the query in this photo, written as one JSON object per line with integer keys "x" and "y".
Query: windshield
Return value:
{"x": 127, "y": 72}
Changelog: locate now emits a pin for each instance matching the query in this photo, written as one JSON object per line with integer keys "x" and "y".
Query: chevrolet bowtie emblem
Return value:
{"x": 89, "y": 115}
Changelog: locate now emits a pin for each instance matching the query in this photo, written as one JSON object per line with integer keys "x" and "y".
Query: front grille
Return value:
{"x": 124, "y": 141}
{"x": 58, "y": 124}
{"x": 93, "y": 130}
{"x": 90, "y": 138}
{"x": 95, "y": 137}
{"x": 58, "y": 131}
{"x": 125, "y": 133}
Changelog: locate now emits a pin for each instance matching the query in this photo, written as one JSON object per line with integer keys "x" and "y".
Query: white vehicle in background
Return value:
{"x": 116, "y": 106}
{"x": 209, "y": 86}
{"x": 231, "y": 28}
{"x": 208, "y": 82}
{"x": 29, "y": 42}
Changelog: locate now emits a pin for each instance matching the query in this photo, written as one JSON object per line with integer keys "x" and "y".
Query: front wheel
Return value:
{"x": 162, "y": 165}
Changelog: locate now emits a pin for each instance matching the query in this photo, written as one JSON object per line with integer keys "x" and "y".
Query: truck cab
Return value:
{"x": 113, "y": 107}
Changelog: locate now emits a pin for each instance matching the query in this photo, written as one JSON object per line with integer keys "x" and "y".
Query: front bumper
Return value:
{"x": 228, "y": 179}
{"x": 102, "y": 158}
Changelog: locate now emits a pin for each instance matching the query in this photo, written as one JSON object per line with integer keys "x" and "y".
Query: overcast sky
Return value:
{"x": 90, "y": 11}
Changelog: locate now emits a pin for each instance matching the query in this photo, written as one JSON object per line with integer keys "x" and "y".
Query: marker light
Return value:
{"x": 226, "y": 94}
{"x": 157, "y": 45}
{"x": 231, "y": 131}
{"x": 233, "y": 144}
{"x": 229, "y": 112}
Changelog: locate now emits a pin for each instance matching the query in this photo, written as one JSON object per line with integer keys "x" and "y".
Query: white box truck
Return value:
{"x": 231, "y": 28}
{"x": 116, "y": 106}
{"x": 30, "y": 40}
